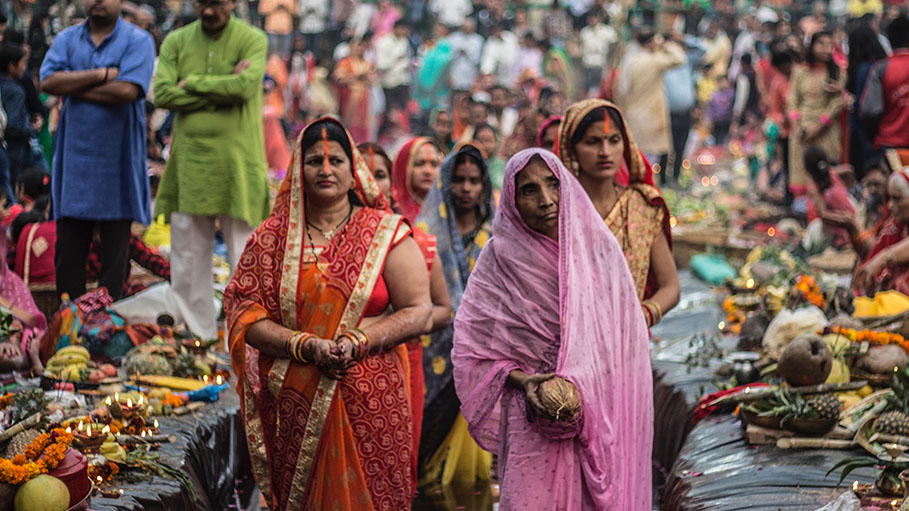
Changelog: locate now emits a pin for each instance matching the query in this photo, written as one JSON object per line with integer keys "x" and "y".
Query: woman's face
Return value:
{"x": 823, "y": 49}
{"x": 443, "y": 125}
{"x": 550, "y": 135}
{"x": 466, "y": 186}
{"x": 382, "y": 174}
{"x": 536, "y": 198}
{"x": 487, "y": 139}
{"x": 425, "y": 170}
{"x": 327, "y": 175}
{"x": 898, "y": 203}
{"x": 601, "y": 150}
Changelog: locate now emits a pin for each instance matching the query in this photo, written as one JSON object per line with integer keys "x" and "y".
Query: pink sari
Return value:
{"x": 569, "y": 308}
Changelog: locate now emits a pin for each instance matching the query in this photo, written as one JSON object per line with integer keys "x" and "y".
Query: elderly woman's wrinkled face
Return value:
{"x": 898, "y": 203}
{"x": 327, "y": 175}
{"x": 601, "y": 150}
{"x": 536, "y": 198}
{"x": 426, "y": 167}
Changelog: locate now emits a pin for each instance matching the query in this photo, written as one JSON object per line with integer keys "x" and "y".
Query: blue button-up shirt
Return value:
{"x": 100, "y": 168}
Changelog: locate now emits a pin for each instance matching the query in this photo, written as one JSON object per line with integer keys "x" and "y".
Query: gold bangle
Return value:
{"x": 295, "y": 344}
{"x": 655, "y": 311}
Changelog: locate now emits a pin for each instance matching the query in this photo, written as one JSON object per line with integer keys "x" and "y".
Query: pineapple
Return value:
{"x": 19, "y": 442}
{"x": 893, "y": 423}
{"x": 827, "y": 405}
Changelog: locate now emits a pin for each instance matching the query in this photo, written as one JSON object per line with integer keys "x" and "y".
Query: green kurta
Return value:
{"x": 217, "y": 162}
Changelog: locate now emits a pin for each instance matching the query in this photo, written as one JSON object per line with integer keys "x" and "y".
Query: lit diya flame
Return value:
{"x": 219, "y": 379}
{"x": 81, "y": 426}
{"x": 198, "y": 344}
{"x": 129, "y": 403}
{"x": 88, "y": 431}
{"x": 117, "y": 397}
{"x": 205, "y": 377}
{"x": 69, "y": 429}
{"x": 143, "y": 433}
{"x": 771, "y": 232}
{"x": 106, "y": 430}
{"x": 156, "y": 423}
{"x": 108, "y": 401}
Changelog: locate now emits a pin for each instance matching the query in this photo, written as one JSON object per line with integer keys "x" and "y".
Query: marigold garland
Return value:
{"x": 734, "y": 316}
{"x": 872, "y": 336}
{"x": 5, "y": 400}
{"x": 19, "y": 469}
{"x": 807, "y": 286}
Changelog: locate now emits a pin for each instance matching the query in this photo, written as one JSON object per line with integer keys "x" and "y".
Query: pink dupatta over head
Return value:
{"x": 570, "y": 308}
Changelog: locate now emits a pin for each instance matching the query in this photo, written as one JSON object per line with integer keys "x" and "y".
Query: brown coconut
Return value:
{"x": 882, "y": 359}
{"x": 805, "y": 361}
{"x": 560, "y": 398}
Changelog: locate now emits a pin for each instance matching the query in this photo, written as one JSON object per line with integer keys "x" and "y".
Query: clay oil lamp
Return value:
{"x": 85, "y": 437}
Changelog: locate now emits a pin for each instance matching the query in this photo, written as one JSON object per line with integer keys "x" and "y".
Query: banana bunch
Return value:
{"x": 112, "y": 450}
{"x": 774, "y": 298}
{"x": 71, "y": 363}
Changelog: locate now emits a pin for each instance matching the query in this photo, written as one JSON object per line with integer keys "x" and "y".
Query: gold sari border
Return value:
{"x": 369, "y": 275}
{"x": 255, "y": 439}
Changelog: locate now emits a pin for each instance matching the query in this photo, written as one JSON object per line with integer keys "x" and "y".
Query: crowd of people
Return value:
{"x": 469, "y": 211}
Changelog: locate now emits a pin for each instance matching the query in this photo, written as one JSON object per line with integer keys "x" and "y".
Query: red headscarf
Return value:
{"x": 406, "y": 201}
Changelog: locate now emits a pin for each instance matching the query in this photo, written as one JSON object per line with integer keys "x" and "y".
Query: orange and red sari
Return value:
{"x": 640, "y": 213}
{"x": 353, "y": 96}
{"x": 318, "y": 444}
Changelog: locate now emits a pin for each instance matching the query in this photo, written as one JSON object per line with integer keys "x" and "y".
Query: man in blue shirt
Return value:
{"x": 102, "y": 69}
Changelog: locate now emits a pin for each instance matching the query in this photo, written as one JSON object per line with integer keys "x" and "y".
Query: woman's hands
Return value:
{"x": 333, "y": 359}
{"x": 531, "y": 385}
{"x": 864, "y": 277}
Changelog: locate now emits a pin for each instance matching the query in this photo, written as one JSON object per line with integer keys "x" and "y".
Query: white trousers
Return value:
{"x": 192, "y": 240}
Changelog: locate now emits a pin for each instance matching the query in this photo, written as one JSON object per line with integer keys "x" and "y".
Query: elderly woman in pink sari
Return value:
{"x": 553, "y": 292}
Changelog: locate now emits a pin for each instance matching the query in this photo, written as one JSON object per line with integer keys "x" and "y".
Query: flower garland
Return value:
{"x": 5, "y": 400}
{"x": 873, "y": 337}
{"x": 734, "y": 316}
{"x": 807, "y": 286}
{"x": 20, "y": 469}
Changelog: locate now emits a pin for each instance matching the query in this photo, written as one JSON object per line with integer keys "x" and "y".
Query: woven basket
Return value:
{"x": 46, "y": 299}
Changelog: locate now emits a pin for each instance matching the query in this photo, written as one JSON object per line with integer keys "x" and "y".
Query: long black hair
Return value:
{"x": 864, "y": 48}
{"x": 833, "y": 71}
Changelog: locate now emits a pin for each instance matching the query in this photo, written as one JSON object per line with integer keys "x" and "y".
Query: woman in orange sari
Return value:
{"x": 353, "y": 76}
{"x": 322, "y": 373}
{"x": 596, "y": 145}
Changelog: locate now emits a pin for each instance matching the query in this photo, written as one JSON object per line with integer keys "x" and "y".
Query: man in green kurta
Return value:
{"x": 210, "y": 73}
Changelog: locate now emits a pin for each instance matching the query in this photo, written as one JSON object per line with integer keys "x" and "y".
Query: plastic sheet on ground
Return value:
{"x": 712, "y": 467}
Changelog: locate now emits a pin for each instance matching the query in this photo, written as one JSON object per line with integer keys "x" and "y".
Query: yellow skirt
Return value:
{"x": 459, "y": 459}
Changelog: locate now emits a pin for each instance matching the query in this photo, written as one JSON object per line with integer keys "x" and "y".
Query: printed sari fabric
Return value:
{"x": 895, "y": 277}
{"x": 566, "y": 307}
{"x": 315, "y": 443}
{"x": 445, "y": 453}
{"x": 640, "y": 213}
{"x": 408, "y": 204}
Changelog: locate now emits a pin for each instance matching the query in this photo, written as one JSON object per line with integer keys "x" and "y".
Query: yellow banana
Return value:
{"x": 78, "y": 350}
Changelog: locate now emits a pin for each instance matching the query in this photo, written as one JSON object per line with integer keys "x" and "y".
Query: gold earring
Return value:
{"x": 575, "y": 168}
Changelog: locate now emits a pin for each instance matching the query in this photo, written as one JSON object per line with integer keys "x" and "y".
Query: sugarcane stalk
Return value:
{"x": 191, "y": 407}
{"x": 869, "y": 415}
{"x": 20, "y": 426}
{"x": 889, "y": 439}
{"x": 750, "y": 394}
{"x": 149, "y": 439}
{"x": 813, "y": 443}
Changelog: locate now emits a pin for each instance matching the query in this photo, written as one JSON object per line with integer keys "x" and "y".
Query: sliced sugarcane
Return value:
{"x": 758, "y": 393}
